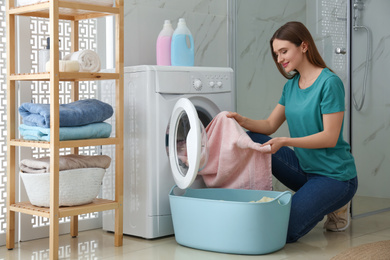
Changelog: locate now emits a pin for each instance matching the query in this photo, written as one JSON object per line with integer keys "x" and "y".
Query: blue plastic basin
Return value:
{"x": 224, "y": 220}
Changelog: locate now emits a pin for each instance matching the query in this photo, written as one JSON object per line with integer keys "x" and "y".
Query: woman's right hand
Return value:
{"x": 265, "y": 127}
{"x": 239, "y": 118}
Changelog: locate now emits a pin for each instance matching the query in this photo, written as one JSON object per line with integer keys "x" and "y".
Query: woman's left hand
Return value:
{"x": 276, "y": 143}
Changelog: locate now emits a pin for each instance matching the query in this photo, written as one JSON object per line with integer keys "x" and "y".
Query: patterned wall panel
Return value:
{"x": 333, "y": 24}
{"x": 39, "y": 28}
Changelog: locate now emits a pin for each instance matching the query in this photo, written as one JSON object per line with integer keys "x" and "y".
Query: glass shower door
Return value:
{"x": 370, "y": 125}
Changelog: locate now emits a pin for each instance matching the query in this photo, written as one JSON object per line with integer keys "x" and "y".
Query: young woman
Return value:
{"x": 320, "y": 168}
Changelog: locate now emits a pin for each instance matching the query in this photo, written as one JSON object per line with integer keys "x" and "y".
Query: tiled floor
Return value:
{"x": 98, "y": 244}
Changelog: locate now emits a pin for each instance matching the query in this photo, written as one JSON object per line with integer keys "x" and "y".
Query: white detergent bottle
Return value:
{"x": 163, "y": 46}
{"x": 182, "y": 46}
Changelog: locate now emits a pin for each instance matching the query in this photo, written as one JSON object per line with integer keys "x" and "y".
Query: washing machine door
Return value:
{"x": 188, "y": 151}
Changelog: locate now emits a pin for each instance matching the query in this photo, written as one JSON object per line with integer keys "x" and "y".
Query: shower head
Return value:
{"x": 358, "y": 7}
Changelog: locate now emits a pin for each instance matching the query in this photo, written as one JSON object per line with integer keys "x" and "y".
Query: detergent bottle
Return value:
{"x": 44, "y": 56}
{"x": 163, "y": 46}
{"x": 182, "y": 46}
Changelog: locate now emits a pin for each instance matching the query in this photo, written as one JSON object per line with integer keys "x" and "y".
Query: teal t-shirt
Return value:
{"x": 303, "y": 110}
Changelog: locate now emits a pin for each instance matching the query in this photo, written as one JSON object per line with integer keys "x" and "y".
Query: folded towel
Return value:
{"x": 66, "y": 162}
{"x": 235, "y": 161}
{"x": 28, "y": 2}
{"x": 65, "y": 66}
{"x": 91, "y": 131}
{"x": 89, "y": 60}
{"x": 81, "y": 112}
{"x": 96, "y": 2}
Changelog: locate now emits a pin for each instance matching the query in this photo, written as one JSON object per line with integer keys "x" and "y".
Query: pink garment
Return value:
{"x": 235, "y": 161}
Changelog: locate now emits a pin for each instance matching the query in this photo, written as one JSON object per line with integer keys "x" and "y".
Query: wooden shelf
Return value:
{"x": 68, "y": 10}
{"x": 65, "y": 76}
{"x": 95, "y": 206}
{"x": 66, "y": 144}
{"x": 73, "y": 11}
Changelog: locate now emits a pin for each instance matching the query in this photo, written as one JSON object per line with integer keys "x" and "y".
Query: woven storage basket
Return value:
{"x": 76, "y": 186}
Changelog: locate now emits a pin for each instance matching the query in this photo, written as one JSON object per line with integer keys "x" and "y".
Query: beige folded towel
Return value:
{"x": 65, "y": 66}
{"x": 88, "y": 60}
{"x": 66, "y": 162}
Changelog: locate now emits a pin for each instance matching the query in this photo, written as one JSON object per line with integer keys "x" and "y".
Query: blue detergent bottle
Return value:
{"x": 182, "y": 46}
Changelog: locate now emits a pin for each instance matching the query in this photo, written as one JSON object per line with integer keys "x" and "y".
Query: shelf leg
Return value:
{"x": 119, "y": 226}
{"x": 54, "y": 238}
{"x": 10, "y": 229}
{"x": 74, "y": 226}
{"x": 54, "y": 130}
{"x": 119, "y": 90}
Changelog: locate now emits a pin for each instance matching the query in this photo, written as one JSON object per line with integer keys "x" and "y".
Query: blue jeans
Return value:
{"x": 315, "y": 195}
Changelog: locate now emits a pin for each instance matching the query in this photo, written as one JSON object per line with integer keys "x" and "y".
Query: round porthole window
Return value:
{"x": 187, "y": 143}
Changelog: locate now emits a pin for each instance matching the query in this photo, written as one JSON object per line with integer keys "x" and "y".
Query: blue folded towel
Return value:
{"x": 81, "y": 112}
{"x": 91, "y": 131}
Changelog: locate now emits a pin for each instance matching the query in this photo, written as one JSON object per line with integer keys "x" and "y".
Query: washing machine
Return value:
{"x": 150, "y": 94}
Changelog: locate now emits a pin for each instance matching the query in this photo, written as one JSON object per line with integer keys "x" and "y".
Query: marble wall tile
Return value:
{"x": 259, "y": 83}
{"x": 371, "y": 126}
{"x": 206, "y": 19}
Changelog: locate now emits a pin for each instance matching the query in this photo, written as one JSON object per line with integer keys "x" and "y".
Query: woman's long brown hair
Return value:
{"x": 296, "y": 33}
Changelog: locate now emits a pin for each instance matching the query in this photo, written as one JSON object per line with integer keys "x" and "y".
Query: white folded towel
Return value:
{"x": 88, "y": 60}
{"x": 96, "y": 2}
{"x": 66, "y": 66}
{"x": 28, "y": 2}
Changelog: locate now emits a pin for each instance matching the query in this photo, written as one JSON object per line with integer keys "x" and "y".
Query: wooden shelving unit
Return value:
{"x": 55, "y": 11}
{"x": 66, "y": 76}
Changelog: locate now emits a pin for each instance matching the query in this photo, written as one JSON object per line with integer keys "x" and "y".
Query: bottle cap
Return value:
{"x": 182, "y": 21}
{"x": 167, "y": 24}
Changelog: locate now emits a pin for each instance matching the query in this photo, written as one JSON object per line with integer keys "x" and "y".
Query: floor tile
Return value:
{"x": 98, "y": 244}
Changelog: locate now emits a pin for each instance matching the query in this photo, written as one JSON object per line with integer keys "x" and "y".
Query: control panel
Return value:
{"x": 211, "y": 81}
{"x": 174, "y": 79}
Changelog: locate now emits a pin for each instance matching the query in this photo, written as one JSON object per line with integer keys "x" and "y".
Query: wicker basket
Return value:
{"x": 76, "y": 186}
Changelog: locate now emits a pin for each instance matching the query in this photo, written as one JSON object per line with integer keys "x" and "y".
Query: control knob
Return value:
{"x": 197, "y": 84}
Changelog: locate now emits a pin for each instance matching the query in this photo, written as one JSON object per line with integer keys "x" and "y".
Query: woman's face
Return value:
{"x": 289, "y": 55}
